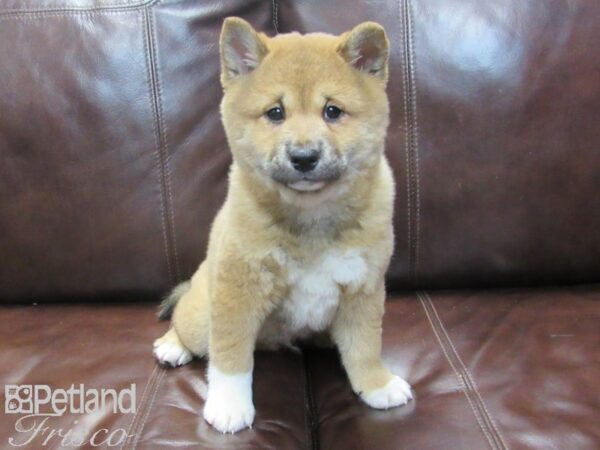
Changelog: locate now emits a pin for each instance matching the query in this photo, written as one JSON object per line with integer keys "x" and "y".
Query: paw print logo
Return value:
{"x": 12, "y": 406}
{"x": 18, "y": 399}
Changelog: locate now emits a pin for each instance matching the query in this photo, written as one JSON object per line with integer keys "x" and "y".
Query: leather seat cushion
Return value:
{"x": 491, "y": 369}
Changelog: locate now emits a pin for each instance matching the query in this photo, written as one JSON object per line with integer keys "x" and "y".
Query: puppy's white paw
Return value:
{"x": 229, "y": 406}
{"x": 171, "y": 353}
{"x": 230, "y": 416}
{"x": 395, "y": 393}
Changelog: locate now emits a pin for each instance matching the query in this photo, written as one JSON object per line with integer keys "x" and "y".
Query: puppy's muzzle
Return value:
{"x": 306, "y": 168}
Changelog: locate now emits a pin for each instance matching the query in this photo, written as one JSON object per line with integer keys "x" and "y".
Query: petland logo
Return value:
{"x": 38, "y": 404}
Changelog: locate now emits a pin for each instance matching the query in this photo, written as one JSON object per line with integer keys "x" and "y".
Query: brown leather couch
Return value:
{"x": 113, "y": 163}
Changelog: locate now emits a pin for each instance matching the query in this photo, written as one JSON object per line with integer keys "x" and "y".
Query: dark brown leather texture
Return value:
{"x": 110, "y": 346}
{"x": 114, "y": 160}
{"x": 513, "y": 368}
{"x": 113, "y": 163}
{"x": 498, "y": 369}
{"x": 494, "y": 137}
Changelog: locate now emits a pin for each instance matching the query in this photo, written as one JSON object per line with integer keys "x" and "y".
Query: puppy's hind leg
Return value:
{"x": 188, "y": 335}
{"x": 191, "y": 317}
{"x": 169, "y": 350}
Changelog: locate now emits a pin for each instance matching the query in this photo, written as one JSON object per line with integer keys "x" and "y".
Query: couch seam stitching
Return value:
{"x": 458, "y": 375}
{"x": 305, "y": 392}
{"x": 275, "y": 13}
{"x": 406, "y": 139}
{"x": 36, "y": 17}
{"x": 159, "y": 379}
{"x": 469, "y": 377}
{"x": 415, "y": 137}
{"x": 467, "y": 381}
{"x": 141, "y": 405}
{"x": 167, "y": 157}
{"x": 16, "y": 14}
{"x": 157, "y": 139}
{"x": 312, "y": 413}
{"x": 410, "y": 137}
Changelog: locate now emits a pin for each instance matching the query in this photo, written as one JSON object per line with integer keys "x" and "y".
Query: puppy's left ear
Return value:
{"x": 242, "y": 49}
{"x": 366, "y": 48}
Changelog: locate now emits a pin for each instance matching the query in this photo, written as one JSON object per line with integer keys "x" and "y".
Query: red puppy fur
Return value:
{"x": 305, "y": 236}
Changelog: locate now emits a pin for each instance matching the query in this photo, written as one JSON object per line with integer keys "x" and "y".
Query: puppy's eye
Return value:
{"x": 332, "y": 112}
{"x": 275, "y": 114}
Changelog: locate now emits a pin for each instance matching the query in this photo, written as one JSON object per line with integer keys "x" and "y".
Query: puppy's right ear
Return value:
{"x": 242, "y": 49}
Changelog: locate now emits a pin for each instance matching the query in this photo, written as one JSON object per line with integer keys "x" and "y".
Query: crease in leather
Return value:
{"x": 411, "y": 143}
{"x": 114, "y": 8}
{"x": 311, "y": 415}
{"x": 161, "y": 149}
{"x": 490, "y": 334}
{"x": 469, "y": 387}
{"x": 143, "y": 410}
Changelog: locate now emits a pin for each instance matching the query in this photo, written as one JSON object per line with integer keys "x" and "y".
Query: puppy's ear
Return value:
{"x": 366, "y": 48}
{"x": 242, "y": 49}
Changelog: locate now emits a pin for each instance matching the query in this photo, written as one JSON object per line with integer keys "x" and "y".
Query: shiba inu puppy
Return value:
{"x": 305, "y": 236}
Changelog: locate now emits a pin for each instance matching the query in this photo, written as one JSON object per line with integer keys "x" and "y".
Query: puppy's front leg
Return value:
{"x": 238, "y": 308}
{"x": 356, "y": 330}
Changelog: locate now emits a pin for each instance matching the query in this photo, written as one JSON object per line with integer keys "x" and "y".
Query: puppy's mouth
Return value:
{"x": 313, "y": 181}
{"x": 307, "y": 185}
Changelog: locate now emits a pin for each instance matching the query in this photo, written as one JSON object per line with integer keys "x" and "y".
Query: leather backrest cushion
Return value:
{"x": 495, "y": 136}
{"x": 114, "y": 160}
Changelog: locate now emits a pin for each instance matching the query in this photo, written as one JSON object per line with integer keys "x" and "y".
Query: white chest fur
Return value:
{"x": 315, "y": 289}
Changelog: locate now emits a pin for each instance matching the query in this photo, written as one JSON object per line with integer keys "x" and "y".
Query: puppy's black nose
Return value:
{"x": 304, "y": 159}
